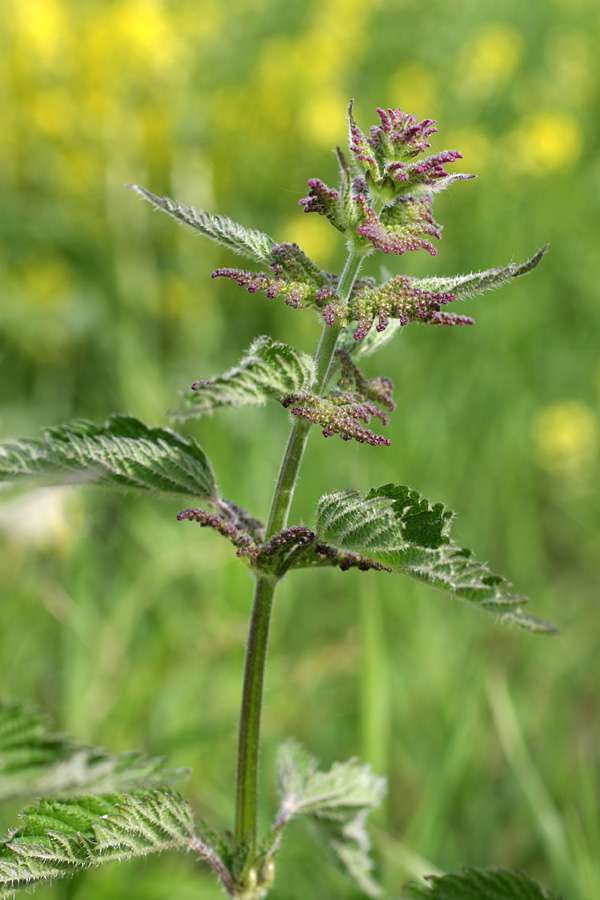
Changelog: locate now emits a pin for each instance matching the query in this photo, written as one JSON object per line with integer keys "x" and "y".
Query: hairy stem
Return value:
{"x": 246, "y": 809}
{"x": 258, "y": 635}
{"x": 290, "y": 465}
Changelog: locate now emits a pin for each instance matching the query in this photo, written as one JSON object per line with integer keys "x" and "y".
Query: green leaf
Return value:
{"x": 269, "y": 371}
{"x": 337, "y": 802}
{"x": 34, "y": 761}
{"x": 464, "y": 286}
{"x": 401, "y": 300}
{"x": 336, "y": 795}
{"x": 400, "y": 529}
{"x": 121, "y": 453}
{"x": 220, "y": 229}
{"x": 478, "y": 884}
{"x": 58, "y": 838}
{"x": 292, "y": 263}
{"x": 423, "y": 523}
{"x": 347, "y": 521}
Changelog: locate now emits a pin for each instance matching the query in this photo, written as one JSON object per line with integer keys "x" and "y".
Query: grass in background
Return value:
{"x": 107, "y": 308}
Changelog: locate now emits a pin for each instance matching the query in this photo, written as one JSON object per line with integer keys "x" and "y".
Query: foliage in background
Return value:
{"x": 96, "y": 94}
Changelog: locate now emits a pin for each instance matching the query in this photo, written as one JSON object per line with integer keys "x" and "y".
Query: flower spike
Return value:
{"x": 401, "y": 226}
{"x": 354, "y": 399}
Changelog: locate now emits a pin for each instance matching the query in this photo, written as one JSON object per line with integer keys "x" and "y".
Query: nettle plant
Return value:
{"x": 98, "y": 806}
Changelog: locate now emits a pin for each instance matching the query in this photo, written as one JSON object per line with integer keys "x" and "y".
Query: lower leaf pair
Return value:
{"x": 99, "y": 807}
{"x": 78, "y": 824}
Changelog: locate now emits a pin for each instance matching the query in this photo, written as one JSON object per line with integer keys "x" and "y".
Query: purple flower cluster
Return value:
{"x": 295, "y": 293}
{"x": 345, "y": 560}
{"x": 397, "y": 298}
{"x": 322, "y": 199}
{"x": 352, "y": 381}
{"x": 398, "y": 139}
{"x": 291, "y": 275}
{"x": 274, "y": 555}
{"x": 238, "y": 537}
{"x": 340, "y": 414}
{"x": 354, "y": 400}
{"x": 425, "y": 171}
{"x": 384, "y": 170}
{"x": 295, "y": 547}
{"x": 398, "y": 132}
{"x": 400, "y": 227}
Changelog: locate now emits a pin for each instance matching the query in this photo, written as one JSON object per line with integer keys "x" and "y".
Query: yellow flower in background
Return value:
{"x": 46, "y": 282}
{"x": 305, "y": 71}
{"x": 186, "y": 20}
{"x": 324, "y": 119}
{"x": 488, "y": 60}
{"x": 146, "y": 30}
{"x": 42, "y": 26}
{"x": 544, "y": 143}
{"x": 566, "y": 437}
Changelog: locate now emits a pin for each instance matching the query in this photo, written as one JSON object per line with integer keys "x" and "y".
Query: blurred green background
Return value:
{"x": 129, "y": 627}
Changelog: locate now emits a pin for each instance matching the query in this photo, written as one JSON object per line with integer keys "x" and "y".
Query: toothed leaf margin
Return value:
{"x": 35, "y": 761}
{"x": 478, "y": 884}
{"x": 123, "y": 452}
{"x": 403, "y": 531}
{"x": 337, "y": 802}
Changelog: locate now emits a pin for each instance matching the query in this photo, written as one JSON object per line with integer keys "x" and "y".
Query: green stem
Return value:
{"x": 258, "y": 635}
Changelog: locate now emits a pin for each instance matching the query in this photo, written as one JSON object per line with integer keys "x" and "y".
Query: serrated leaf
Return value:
{"x": 337, "y": 802}
{"x": 347, "y": 788}
{"x": 401, "y": 300}
{"x": 60, "y": 837}
{"x": 34, "y": 761}
{"x": 478, "y": 884}
{"x": 121, "y": 453}
{"x": 347, "y": 521}
{"x": 400, "y": 529}
{"x": 424, "y": 523}
{"x": 269, "y": 371}
{"x": 220, "y": 229}
{"x": 292, "y": 262}
{"x": 464, "y": 286}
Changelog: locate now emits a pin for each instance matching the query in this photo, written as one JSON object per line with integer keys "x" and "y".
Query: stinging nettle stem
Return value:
{"x": 258, "y": 634}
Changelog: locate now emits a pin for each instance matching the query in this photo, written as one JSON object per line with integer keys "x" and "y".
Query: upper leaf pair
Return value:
{"x": 274, "y": 371}
{"x": 384, "y": 201}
